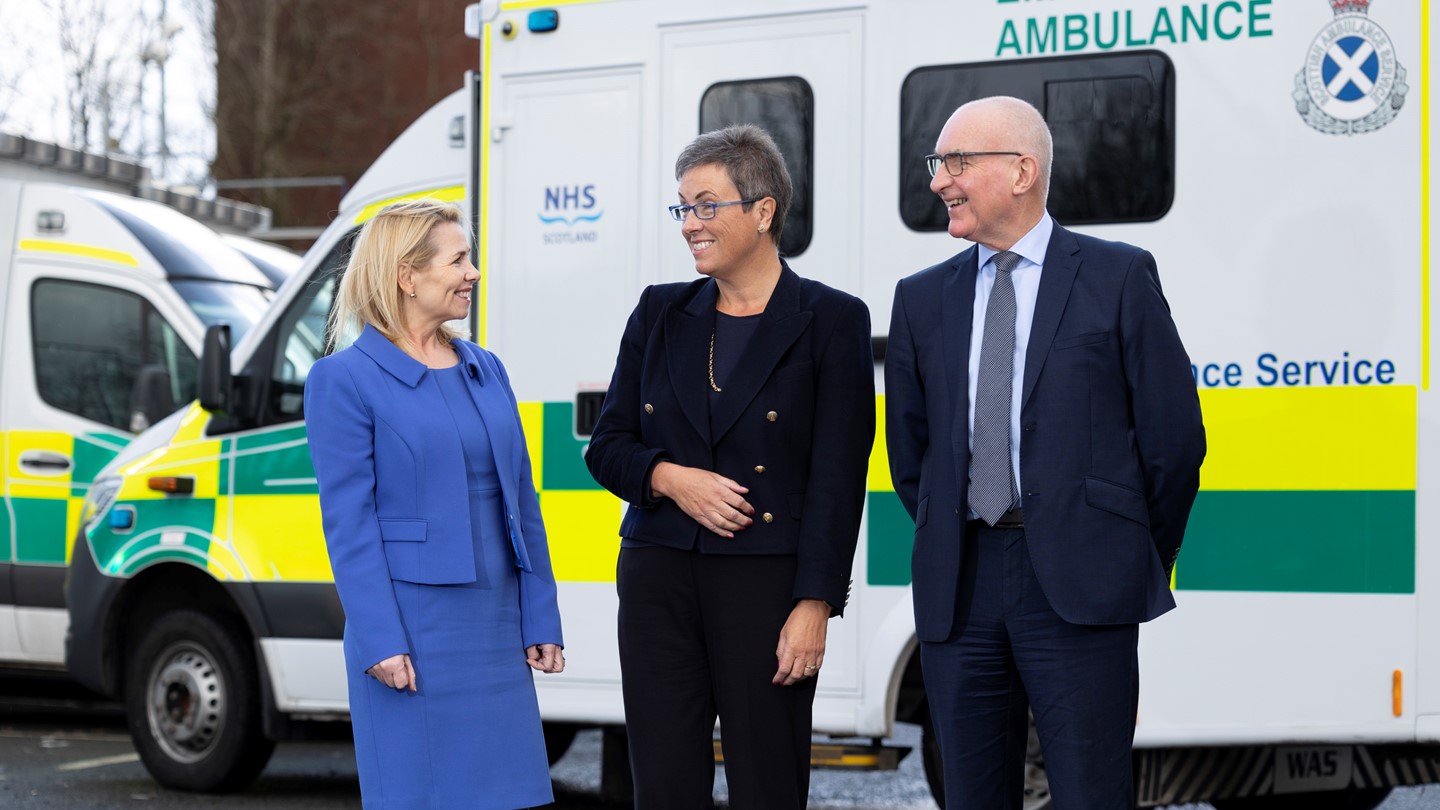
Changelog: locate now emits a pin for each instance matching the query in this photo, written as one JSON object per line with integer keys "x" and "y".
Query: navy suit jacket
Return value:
{"x": 795, "y": 424}
{"x": 393, "y": 489}
{"x": 1111, "y": 439}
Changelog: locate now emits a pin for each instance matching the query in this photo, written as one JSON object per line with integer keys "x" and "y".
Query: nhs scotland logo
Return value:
{"x": 1352, "y": 81}
{"x": 569, "y": 215}
{"x": 569, "y": 205}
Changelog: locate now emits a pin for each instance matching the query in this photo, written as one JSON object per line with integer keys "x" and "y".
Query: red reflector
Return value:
{"x": 179, "y": 484}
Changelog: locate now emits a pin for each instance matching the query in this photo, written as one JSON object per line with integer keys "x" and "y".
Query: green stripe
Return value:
{"x": 89, "y": 458}
{"x": 1296, "y": 542}
{"x": 178, "y": 514}
{"x": 40, "y": 529}
{"x": 5, "y": 531}
{"x": 266, "y": 438}
{"x": 1312, "y": 542}
{"x": 564, "y": 466}
{"x": 275, "y": 465}
{"x": 890, "y": 536}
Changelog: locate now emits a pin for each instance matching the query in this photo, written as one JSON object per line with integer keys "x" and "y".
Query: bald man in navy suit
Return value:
{"x": 1045, "y": 435}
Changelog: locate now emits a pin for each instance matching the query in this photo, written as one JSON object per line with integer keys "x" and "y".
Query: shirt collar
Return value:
{"x": 1032, "y": 245}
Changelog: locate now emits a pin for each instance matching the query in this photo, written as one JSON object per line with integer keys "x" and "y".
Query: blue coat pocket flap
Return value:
{"x": 1117, "y": 499}
{"x": 402, "y": 531}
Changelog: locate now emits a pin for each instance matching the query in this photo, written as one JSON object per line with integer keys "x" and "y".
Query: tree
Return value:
{"x": 103, "y": 72}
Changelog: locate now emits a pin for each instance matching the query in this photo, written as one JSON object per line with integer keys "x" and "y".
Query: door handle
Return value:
{"x": 44, "y": 462}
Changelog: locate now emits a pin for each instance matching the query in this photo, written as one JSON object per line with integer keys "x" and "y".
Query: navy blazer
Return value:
{"x": 794, "y": 424}
{"x": 1111, "y": 439}
{"x": 393, "y": 487}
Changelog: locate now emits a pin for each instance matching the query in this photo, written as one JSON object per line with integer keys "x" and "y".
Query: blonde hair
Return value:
{"x": 369, "y": 290}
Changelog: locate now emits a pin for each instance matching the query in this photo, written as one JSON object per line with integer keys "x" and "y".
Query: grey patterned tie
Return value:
{"x": 992, "y": 479}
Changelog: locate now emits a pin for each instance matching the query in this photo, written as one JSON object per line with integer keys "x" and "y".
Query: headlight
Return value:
{"x": 98, "y": 501}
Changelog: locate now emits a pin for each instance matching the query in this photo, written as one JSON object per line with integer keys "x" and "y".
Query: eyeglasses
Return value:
{"x": 955, "y": 162}
{"x": 703, "y": 210}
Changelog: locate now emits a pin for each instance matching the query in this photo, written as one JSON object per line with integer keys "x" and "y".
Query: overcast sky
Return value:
{"x": 35, "y": 94}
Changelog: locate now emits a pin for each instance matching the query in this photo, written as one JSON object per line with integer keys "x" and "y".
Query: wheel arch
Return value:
{"x": 893, "y": 660}
{"x": 162, "y": 587}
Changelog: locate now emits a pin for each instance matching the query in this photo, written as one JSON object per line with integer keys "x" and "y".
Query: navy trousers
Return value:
{"x": 1009, "y": 651}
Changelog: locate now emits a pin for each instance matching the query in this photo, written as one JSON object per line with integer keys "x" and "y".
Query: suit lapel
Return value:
{"x": 957, "y": 317}
{"x": 687, "y": 355}
{"x": 1062, "y": 261}
{"x": 495, "y": 414}
{"x": 780, "y": 325}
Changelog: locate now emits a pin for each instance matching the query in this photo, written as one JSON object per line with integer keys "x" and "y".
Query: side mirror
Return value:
{"x": 216, "y": 385}
{"x": 150, "y": 398}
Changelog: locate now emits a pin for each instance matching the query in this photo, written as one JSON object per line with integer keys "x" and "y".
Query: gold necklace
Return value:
{"x": 713, "y": 386}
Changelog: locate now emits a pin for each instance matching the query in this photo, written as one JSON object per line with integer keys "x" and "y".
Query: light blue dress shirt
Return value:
{"x": 1026, "y": 278}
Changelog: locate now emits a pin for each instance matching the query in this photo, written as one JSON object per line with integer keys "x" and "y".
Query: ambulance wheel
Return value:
{"x": 192, "y": 702}
{"x": 1037, "y": 785}
{"x": 1351, "y": 799}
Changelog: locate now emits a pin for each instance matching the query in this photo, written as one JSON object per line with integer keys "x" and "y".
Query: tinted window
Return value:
{"x": 91, "y": 343}
{"x": 1112, "y": 117}
{"x": 238, "y": 305}
{"x": 300, "y": 338}
{"x": 786, "y": 109}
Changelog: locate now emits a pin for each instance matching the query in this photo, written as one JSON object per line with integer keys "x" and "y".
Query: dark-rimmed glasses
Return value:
{"x": 705, "y": 210}
{"x": 955, "y": 162}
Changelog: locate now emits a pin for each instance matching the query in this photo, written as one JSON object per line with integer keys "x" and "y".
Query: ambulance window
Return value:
{"x": 91, "y": 343}
{"x": 785, "y": 108}
{"x": 301, "y": 338}
{"x": 1112, "y": 117}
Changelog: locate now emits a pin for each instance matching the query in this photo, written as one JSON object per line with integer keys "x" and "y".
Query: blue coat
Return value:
{"x": 794, "y": 425}
{"x": 1111, "y": 438}
{"x": 393, "y": 488}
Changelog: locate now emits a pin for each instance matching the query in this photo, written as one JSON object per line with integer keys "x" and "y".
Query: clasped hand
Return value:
{"x": 548, "y": 658}
{"x": 714, "y": 501}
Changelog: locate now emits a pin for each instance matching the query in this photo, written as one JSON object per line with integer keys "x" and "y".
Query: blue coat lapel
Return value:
{"x": 957, "y": 317}
{"x": 1062, "y": 261}
{"x": 494, "y": 408}
{"x": 500, "y": 423}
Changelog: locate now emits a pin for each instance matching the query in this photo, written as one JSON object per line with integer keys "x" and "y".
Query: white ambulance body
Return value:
{"x": 104, "y": 300}
{"x": 1275, "y": 159}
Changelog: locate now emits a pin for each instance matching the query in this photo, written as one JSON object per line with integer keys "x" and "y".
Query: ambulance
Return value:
{"x": 104, "y": 301}
{"x": 1276, "y": 159}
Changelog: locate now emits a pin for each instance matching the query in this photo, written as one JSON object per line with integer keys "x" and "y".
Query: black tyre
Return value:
{"x": 1037, "y": 785}
{"x": 1351, "y": 799}
{"x": 192, "y": 702}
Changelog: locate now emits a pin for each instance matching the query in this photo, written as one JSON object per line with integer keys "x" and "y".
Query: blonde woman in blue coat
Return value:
{"x": 433, "y": 529}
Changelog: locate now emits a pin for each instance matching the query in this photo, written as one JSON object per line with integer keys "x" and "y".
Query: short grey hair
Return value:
{"x": 753, "y": 162}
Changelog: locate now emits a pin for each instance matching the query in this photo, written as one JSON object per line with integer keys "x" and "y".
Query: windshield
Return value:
{"x": 217, "y": 282}
{"x": 275, "y": 262}
{"x": 239, "y": 305}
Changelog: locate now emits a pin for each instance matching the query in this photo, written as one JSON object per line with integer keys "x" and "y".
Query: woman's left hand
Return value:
{"x": 802, "y": 642}
{"x": 545, "y": 657}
